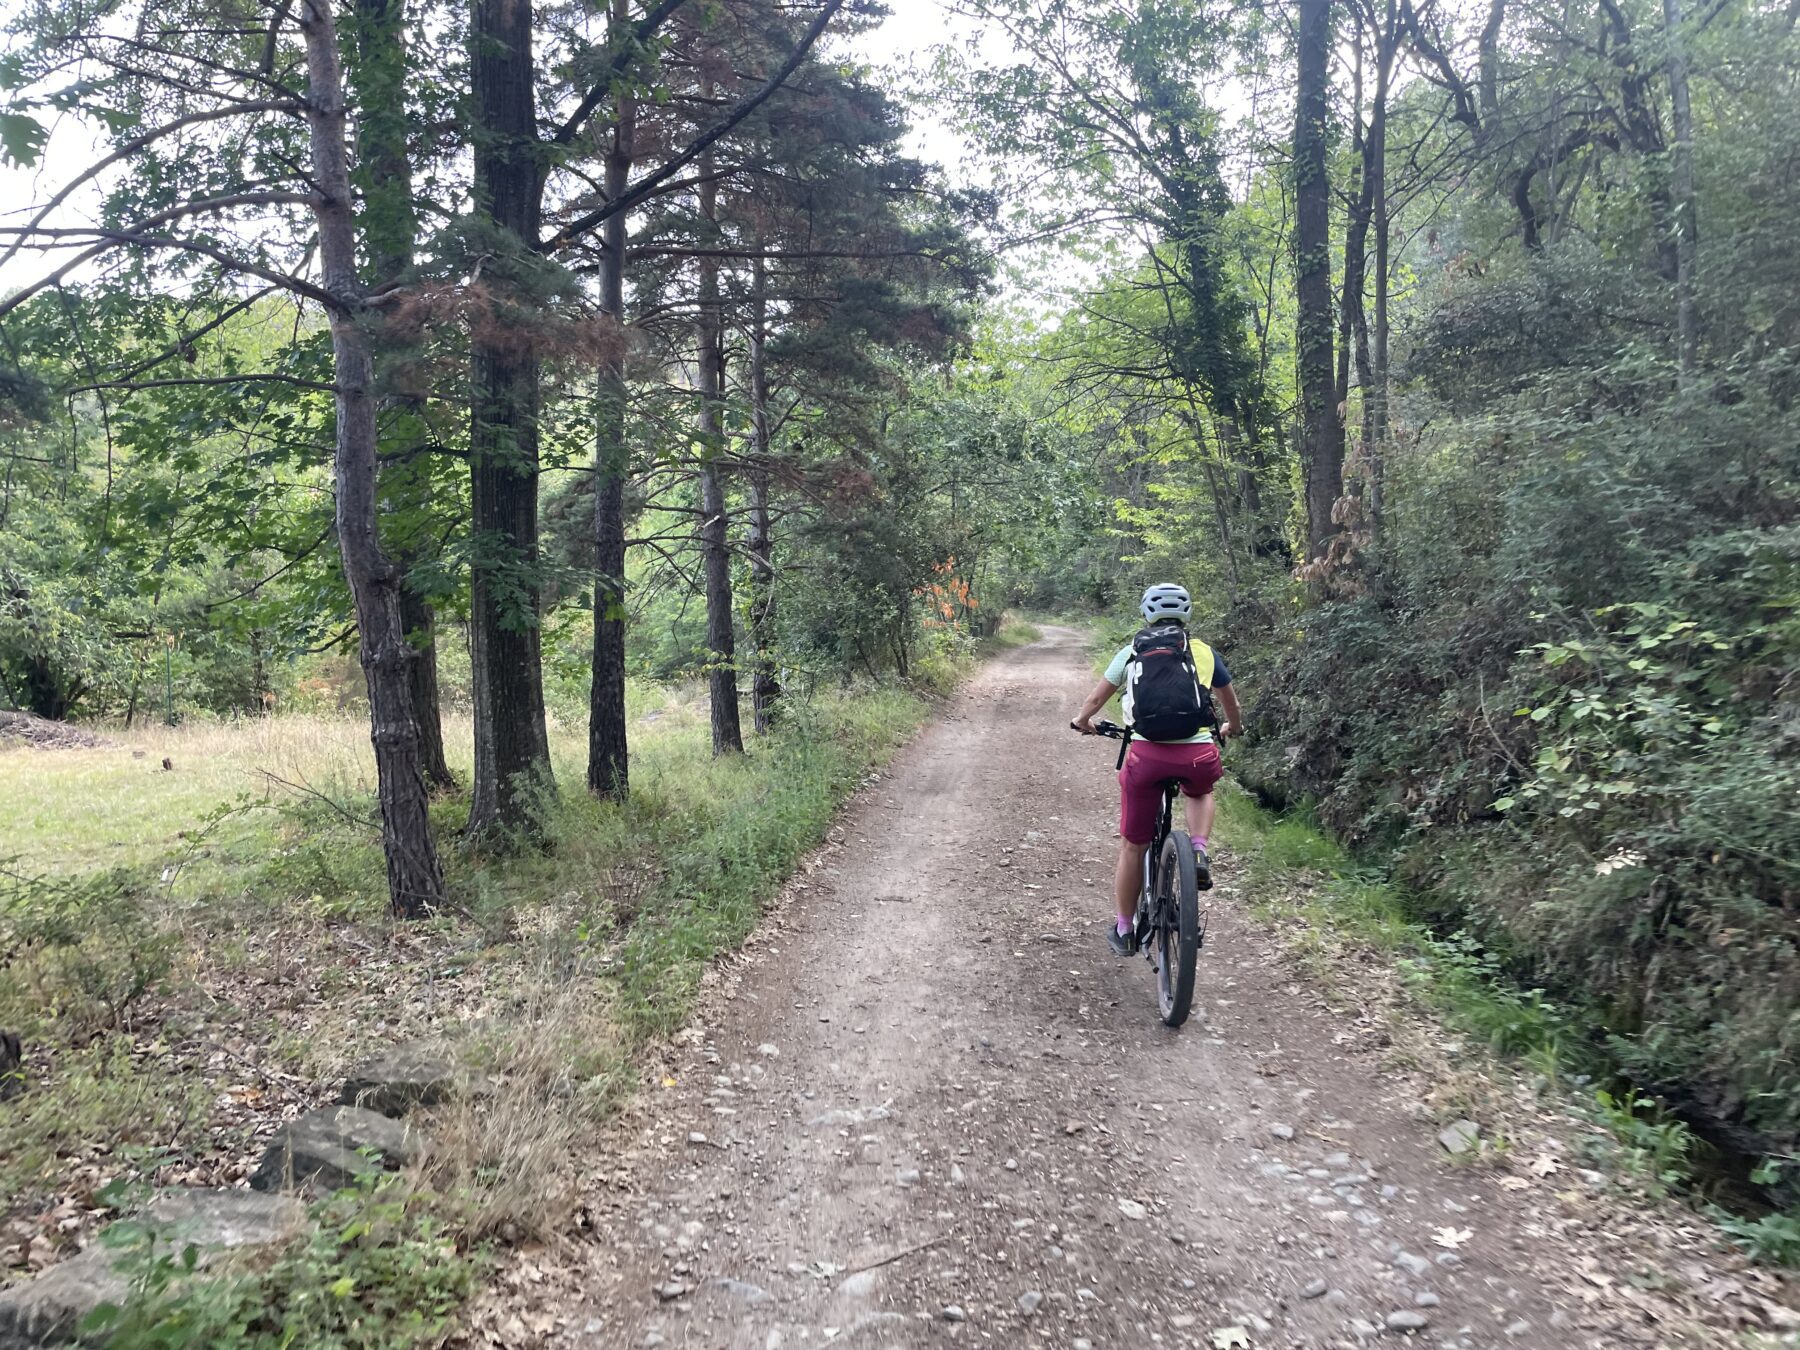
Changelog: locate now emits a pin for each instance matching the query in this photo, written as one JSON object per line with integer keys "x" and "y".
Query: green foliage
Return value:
{"x": 1770, "y": 1238}
{"x": 103, "y": 1090}
{"x": 1478, "y": 992}
{"x": 374, "y": 1270}
{"x": 1654, "y": 1145}
{"x": 1471, "y": 981}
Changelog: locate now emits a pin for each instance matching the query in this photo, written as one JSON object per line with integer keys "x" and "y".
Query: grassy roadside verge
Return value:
{"x": 1346, "y": 922}
{"x": 177, "y": 1006}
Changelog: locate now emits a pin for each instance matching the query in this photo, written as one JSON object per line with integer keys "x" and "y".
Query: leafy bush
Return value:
{"x": 1771, "y": 1238}
{"x": 1563, "y": 701}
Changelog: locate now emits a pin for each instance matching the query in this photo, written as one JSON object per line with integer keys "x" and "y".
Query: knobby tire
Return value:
{"x": 1177, "y": 933}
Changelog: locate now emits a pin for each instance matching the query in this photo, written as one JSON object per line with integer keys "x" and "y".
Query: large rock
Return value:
{"x": 393, "y": 1082}
{"x": 328, "y": 1149}
{"x": 1460, "y": 1138}
{"x": 49, "y": 1310}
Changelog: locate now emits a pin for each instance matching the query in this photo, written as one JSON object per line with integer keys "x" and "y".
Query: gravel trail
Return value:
{"x": 932, "y": 1109}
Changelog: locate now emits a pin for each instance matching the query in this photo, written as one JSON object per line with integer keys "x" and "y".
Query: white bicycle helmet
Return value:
{"x": 1165, "y": 600}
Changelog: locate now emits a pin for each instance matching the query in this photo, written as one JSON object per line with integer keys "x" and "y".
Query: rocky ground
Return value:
{"x": 927, "y": 1107}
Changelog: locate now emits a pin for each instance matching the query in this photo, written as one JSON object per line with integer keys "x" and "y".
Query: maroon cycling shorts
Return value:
{"x": 1150, "y": 764}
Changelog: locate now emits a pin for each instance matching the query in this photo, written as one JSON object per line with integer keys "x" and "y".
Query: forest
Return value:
{"x": 514, "y": 468}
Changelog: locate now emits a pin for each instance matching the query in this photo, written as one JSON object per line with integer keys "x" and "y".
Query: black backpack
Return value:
{"x": 1166, "y": 696}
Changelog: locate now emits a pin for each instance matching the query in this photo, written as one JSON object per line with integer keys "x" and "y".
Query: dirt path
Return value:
{"x": 931, "y": 1109}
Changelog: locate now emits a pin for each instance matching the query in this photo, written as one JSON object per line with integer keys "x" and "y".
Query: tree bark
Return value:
{"x": 765, "y": 687}
{"x": 383, "y": 174}
{"x": 419, "y": 622}
{"x": 1375, "y": 378}
{"x": 1321, "y": 426}
{"x": 721, "y": 653}
{"x": 1356, "y": 237}
{"x": 1683, "y": 217}
{"x": 609, "y": 769}
{"x": 1378, "y": 393}
{"x": 512, "y": 752}
{"x": 1488, "y": 57}
{"x": 415, "y": 881}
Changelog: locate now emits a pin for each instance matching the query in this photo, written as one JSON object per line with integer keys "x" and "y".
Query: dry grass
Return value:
{"x": 546, "y": 1074}
{"x": 77, "y": 809}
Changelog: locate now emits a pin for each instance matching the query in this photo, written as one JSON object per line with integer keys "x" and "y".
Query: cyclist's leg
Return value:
{"x": 1200, "y": 813}
{"x": 1197, "y": 792}
{"x": 1140, "y": 799}
{"x": 1128, "y": 879}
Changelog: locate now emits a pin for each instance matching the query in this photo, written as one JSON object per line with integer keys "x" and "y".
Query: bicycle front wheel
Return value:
{"x": 1178, "y": 927}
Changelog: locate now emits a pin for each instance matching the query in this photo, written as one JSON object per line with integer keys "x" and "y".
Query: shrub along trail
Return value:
{"x": 928, "y": 1107}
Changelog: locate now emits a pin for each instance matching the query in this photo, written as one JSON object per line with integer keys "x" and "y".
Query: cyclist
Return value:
{"x": 1152, "y": 668}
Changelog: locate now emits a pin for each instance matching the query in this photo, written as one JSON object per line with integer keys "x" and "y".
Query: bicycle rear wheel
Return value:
{"x": 1177, "y": 934}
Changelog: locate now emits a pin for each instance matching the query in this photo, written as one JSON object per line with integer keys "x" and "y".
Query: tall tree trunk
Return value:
{"x": 1321, "y": 427}
{"x": 383, "y": 174}
{"x": 609, "y": 771}
{"x": 721, "y": 646}
{"x": 1684, "y": 217}
{"x": 1372, "y": 356}
{"x": 765, "y": 688}
{"x": 512, "y": 751}
{"x": 1488, "y": 57}
{"x": 1356, "y": 234}
{"x": 1377, "y": 394}
{"x": 415, "y": 881}
{"x": 419, "y": 622}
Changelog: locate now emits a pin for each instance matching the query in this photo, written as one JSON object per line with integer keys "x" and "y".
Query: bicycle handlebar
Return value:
{"x": 1119, "y": 733}
{"x": 1105, "y": 728}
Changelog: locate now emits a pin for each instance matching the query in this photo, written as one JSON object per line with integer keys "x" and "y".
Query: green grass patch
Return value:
{"x": 727, "y": 833}
{"x": 1014, "y": 632}
{"x": 100, "y": 1091}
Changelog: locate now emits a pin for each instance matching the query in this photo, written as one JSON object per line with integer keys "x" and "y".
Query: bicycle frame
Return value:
{"x": 1165, "y": 822}
{"x": 1168, "y": 928}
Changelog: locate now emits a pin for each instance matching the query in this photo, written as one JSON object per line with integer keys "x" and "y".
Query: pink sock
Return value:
{"x": 1124, "y": 924}
{"x": 1200, "y": 839}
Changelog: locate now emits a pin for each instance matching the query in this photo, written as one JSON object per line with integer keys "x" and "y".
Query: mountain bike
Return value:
{"x": 1170, "y": 928}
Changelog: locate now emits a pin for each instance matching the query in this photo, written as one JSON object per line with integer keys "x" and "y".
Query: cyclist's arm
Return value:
{"x": 1234, "y": 715}
{"x": 1084, "y": 720}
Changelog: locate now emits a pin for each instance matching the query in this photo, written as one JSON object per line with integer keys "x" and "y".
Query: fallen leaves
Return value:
{"x": 1452, "y": 1238}
{"x": 1230, "y": 1338}
{"x": 1544, "y": 1165}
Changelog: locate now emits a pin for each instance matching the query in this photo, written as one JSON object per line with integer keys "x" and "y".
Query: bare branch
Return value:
{"x": 265, "y": 378}
{"x": 135, "y": 237}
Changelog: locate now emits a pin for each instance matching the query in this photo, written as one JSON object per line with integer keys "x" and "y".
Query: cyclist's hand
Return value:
{"x": 1227, "y": 731}
{"x": 1085, "y": 725}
